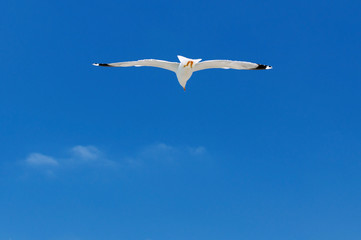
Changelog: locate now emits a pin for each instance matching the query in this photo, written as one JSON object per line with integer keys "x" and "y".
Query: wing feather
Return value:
{"x": 171, "y": 66}
{"x": 227, "y": 64}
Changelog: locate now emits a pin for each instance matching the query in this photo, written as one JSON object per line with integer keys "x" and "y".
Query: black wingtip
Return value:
{"x": 261, "y": 67}
{"x": 102, "y": 64}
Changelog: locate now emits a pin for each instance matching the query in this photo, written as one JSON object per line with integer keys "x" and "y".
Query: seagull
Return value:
{"x": 186, "y": 66}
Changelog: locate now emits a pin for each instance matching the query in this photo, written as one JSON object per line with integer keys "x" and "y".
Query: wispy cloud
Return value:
{"x": 91, "y": 156}
{"x": 38, "y": 159}
{"x": 166, "y": 151}
{"x": 86, "y": 152}
{"x": 162, "y": 152}
{"x": 159, "y": 151}
{"x": 197, "y": 151}
{"x": 78, "y": 156}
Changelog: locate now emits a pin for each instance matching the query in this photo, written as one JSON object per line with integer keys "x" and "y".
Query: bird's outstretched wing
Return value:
{"x": 226, "y": 64}
{"x": 172, "y": 66}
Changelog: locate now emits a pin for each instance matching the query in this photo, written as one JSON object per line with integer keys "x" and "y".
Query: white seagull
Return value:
{"x": 187, "y": 66}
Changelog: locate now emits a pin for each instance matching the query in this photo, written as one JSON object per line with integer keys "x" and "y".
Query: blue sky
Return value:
{"x": 124, "y": 153}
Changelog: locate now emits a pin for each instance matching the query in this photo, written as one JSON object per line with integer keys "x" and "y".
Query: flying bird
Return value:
{"x": 186, "y": 66}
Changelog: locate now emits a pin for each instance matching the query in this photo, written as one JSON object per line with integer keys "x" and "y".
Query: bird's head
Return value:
{"x": 183, "y": 83}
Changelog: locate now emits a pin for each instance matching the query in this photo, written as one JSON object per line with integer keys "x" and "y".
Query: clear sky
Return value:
{"x": 92, "y": 153}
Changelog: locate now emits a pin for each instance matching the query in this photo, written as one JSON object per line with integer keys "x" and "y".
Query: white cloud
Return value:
{"x": 165, "y": 150}
{"x": 38, "y": 159}
{"x": 86, "y": 152}
{"x": 162, "y": 152}
{"x": 89, "y": 155}
{"x": 80, "y": 156}
{"x": 198, "y": 151}
{"x": 159, "y": 151}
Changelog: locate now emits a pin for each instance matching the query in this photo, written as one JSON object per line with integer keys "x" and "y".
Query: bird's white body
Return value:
{"x": 186, "y": 66}
{"x": 185, "y": 69}
{"x": 183, "y": 74}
